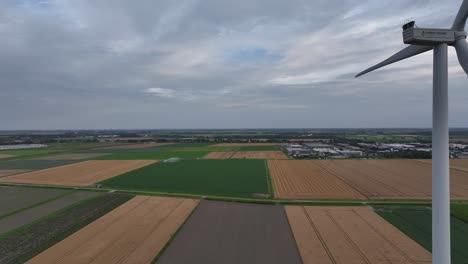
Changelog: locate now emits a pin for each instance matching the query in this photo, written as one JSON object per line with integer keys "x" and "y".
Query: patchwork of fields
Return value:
{"x": 135, "y": 232}
{"x": 220, "y": 232}
{"x": 85, "y": 226}
{"x": 350, "y": 235}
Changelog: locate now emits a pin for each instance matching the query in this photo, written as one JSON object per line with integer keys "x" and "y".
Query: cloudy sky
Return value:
{"x": 70, "y": 64}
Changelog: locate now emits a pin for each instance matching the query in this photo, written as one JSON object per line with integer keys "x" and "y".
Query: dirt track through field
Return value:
{"x": 136, "y": 146}
{"x": 135, "y": 232}
{"x": 27, "y": 216}
{"x": 222, "y": 232}
{"x": 72, "y": 156}
{"x": 304, "y": 179}
{"x": 350, "y": 235}
{"x": 259, "y": 155}
{"x": 79, "y": 174}
{"x": 393, "y": 179}
{"x": 4, "y": 173}
{"x": 219, "y": 155}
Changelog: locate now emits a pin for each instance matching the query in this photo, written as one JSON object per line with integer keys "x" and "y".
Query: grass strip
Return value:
{"x": 20, "y": 245}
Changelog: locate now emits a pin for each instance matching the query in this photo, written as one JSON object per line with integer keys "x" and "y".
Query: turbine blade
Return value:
{"x": 460, "y": 20}
{"x": 462, "y": 52}
{"x": 405, "y": 53}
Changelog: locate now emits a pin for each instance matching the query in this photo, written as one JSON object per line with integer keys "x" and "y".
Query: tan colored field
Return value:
{"x": 79, "y": 174}
{"x": 458, "y": 164}
{"x": 4, "y": 156}
{"x": 350, "y": 235}
{"x": 393, "y": 179}
{"x": 11, "y": 172}
{"x": 244, "y": 144}
{"x": 259, "y": 155}
{"x": 135, "y": 232}
{"x": 304, "y": 179}
{"x": 72, "y": 156}
{"x": 219, "y": 155}
{"x": 133, "y": 146}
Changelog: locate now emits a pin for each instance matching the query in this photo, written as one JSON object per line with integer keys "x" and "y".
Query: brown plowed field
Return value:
{"x": 134, "y": 146}
{"x": 135, "y": 232}
{"x": 74, "y": 156}
{"x": 393, "y": 179}
{"x": 350, "y": 235}
{"x": 259, "y": 155}
{"x": 10, "y": 172}
{"x": 4, "y": 156}
{"x": 79, "y": 174}
{"x": 304, "y": 179}
{"x": 244, "y": 144}
{"x": 219, "y": 155}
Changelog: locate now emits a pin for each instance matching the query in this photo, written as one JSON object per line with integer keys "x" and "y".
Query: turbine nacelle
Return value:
{"x": 430, "y": 36}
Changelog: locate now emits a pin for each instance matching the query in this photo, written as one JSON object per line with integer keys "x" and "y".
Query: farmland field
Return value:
{"x": 416, "y": 223}
{"x": 304, "y": 179}
{"x": 21, "y": 244}
{"x": 220, "y": 232}
{"x": 245, "y": 178}
{"x": 259, "y": 155}
{"x": 32, "y": 214}
{"x": 219, "y": 155}
{"x": 350, "y": 235}
{"x": 13, "y": 198}
{"x": 135, "y": 146}
{"x": 393, "y": 179}
{"x": 72, "y": 156}
{"x": 460, "y": 211}
{"x": 154, "y": 155}
{"x": 30, "y": 152}
{"x": 79, "y": 174}
{"x": 133, "y": 233}
{"x": 31, "y": 164}
{"x": 245, "y": 144}
{"x": 4, "y": 156}
{"x": 4, "y": 173}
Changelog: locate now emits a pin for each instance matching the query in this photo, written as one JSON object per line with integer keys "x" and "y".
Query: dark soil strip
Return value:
{"x": 220, "y": 232}
{"x": 27, "y": 216}
{"x": 26, "y": 242}
{"x": 14, "y": 198}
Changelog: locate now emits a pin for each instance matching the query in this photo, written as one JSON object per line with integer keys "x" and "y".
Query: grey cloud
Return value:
{"x": 89, "y": 64}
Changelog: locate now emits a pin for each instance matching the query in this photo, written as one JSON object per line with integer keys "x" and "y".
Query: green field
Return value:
{"x": 239, "y": 178}
{"x": 460, "y": 211}
{"x": 416, "y": 223}
{"x": 30, "y": 152}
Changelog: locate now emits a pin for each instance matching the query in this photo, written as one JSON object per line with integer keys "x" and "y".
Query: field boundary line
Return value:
{"x": 48, "y": 216}
{"x": 319, "y": 236}
{"x": 37, "y": 204}
{"x": 100, "y": 231}
{"x": 269, "y": 180}
{"x": 152, "y": 230}
{"x": 348, "y": 238}
{"x": 384, "y": 238}
{"x": 164, "y": 248}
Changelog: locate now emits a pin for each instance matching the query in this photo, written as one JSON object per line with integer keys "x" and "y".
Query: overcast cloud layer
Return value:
{"x": 70, "y": 64}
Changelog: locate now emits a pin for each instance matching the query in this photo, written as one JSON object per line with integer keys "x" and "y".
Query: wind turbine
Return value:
{"x": 423, "y": 40}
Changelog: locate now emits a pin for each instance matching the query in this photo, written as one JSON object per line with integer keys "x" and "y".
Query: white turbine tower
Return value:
{"x": 422, "y": 40}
